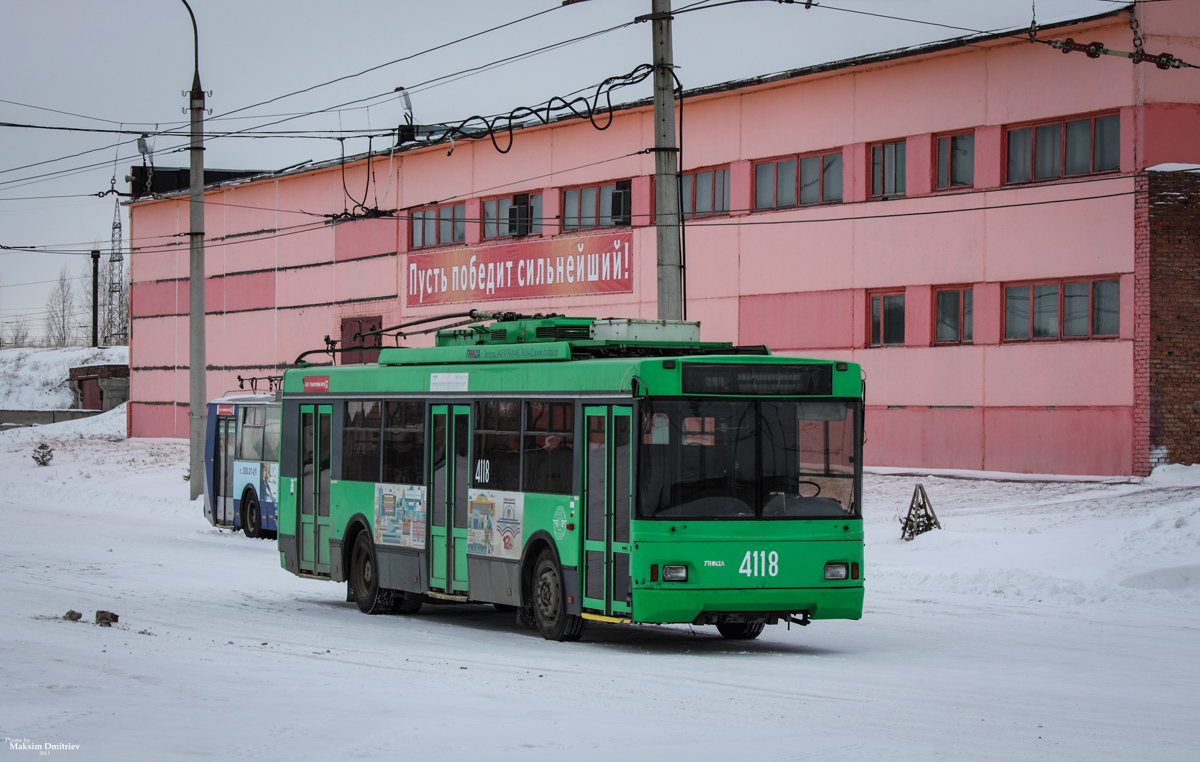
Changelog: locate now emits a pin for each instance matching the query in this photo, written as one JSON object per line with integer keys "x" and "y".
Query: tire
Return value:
{"x": 251, "y": 516}
{"x": 741, "y": 630}
{"x": 405, "y": 605}
{"x": 364, "y": 576}
{"x": 550, "y": 602}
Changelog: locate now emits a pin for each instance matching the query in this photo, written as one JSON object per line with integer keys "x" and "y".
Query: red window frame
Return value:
{"x": 623, "y": 188}
{"x": 877, "y": 154}
{"x": 950, "y": 163}
{"x": 962, "y": 337}
{"x": 883, "y": 341}
{"x": 1061, "y": 123}
{"x": 719, "y": 192}
{"x": 1060, "y": 284}
{"x": 798, "y": 180}
{"x": 457, "y": 226}
{"x": 532, "y": 223}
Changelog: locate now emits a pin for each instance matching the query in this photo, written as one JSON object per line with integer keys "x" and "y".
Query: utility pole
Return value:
{"x": 197, "y": 394}
{"x": 95, "y": 297}
{"x": 666, "y": 163}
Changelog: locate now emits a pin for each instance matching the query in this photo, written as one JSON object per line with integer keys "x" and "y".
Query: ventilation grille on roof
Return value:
{"x": 564, "y": 332}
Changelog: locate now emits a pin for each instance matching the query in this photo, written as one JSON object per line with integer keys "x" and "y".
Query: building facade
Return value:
{"x": 976, "y": 222}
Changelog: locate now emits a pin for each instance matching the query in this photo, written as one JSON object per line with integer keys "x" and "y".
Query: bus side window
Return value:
{"x": 271, "y": 434}
{"x": 250, "y": 434}
{"x": 497, "y": 445}
{"x": 404, "y": 442}
{"x": 549, "y": 447}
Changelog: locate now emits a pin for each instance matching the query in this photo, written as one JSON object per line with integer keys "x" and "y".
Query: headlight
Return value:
{"x": 674, "y": 574}
{"x": 836, "y": 571}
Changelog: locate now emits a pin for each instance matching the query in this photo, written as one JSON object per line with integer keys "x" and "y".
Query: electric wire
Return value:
{"x": 713, "y": 221}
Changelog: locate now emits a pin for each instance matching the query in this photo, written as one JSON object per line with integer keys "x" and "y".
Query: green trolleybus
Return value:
{"x": 579, "y": 469}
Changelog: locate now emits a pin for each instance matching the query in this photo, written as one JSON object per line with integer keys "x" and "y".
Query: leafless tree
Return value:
{"x": 18, "y": 334}
{"x": 60, "y": 312}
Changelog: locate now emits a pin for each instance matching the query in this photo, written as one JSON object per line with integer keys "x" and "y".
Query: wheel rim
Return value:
{"x": 548, "y": 596}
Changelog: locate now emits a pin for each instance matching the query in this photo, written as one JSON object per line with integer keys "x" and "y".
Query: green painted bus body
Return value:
{"x": 716, "y": 552}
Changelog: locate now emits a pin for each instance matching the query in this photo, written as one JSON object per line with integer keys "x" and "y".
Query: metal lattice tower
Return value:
{"x": 115, "y": 314}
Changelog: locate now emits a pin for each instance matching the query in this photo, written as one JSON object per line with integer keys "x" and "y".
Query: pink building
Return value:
{"x": 972, "y": 221}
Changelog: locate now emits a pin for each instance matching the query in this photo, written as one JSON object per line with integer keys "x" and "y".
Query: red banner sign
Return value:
{"x": 316, "y": 383}
{"x": 224, "y": 409}
{"x": 597, "y": 264}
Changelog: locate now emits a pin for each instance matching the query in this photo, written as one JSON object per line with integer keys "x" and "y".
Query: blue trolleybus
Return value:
{"x": 241, "y": 463}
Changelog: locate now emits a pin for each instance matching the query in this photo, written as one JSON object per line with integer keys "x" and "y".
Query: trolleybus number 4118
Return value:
{"x": 759, "y": 563}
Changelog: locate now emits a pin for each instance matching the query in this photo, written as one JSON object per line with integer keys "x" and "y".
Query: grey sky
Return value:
{"x": 127, "y": 62}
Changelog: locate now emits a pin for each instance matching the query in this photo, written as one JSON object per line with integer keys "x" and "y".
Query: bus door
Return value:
{"x": 607, "y": 502}
{"x": 223, "y": 471}
{"x": 316, "y": 526}
{"x": 449, "y": 474}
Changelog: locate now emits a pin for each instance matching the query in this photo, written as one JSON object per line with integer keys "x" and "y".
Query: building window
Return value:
{"x": 705, "y": 193}
{"x": 549, "y": 447}
{"x": 1062, "y": 310}
{"x": 498, "y": 445}
{"x": 955, "y": 308}
{"x": 598, "y": 206}
{"x": 1063, "y": 148}
{"x": 801, "y": 181}
{"x": 887, "y": 319}
{"x": 888, "y": 169}
{"x": 360, "y": 441}
{"x": 513, "y": 217}
{"x": 439, "y": 226}
{"x": 956, "y": 161}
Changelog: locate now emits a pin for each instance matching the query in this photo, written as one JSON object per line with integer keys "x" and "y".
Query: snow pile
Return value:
{"x": 1174, "y": 167}
{"x": 39, "y": 379}
{"x": 1045, "y": 621}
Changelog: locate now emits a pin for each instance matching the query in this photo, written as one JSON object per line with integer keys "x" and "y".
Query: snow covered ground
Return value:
{"x": 37, "y": 379}
{"x": 1045, "y": 621}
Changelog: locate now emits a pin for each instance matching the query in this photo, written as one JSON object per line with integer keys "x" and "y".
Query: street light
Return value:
{"x": 197, "y": 395}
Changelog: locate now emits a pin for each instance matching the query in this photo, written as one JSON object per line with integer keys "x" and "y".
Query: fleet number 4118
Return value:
{"x": 759, "y": 563}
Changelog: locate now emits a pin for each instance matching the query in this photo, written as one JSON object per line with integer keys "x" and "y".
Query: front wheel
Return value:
{"x": 741, "y": 630}
{"x": 550, "y": 602}
{"x": 364, "y": 576}
{"x": 251, "y": 518}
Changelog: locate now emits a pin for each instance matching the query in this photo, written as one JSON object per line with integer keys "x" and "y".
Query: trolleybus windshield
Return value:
{"x": 730, "y": 459}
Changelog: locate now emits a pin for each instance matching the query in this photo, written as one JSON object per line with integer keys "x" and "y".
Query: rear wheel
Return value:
{"x": 364, "y": 576}
{"x": 251, "y": 518}
{"x": 550, "y": 602}
{"x": 741, "y": 630}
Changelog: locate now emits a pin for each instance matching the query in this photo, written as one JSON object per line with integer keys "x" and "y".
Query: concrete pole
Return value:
{"x": 666, "y": 163}
{"x": 197, "y": 394}
{"x": 95, "y": 297}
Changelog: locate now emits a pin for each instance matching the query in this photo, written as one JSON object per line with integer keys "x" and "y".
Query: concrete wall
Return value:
{"x": 42, "y": 417}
